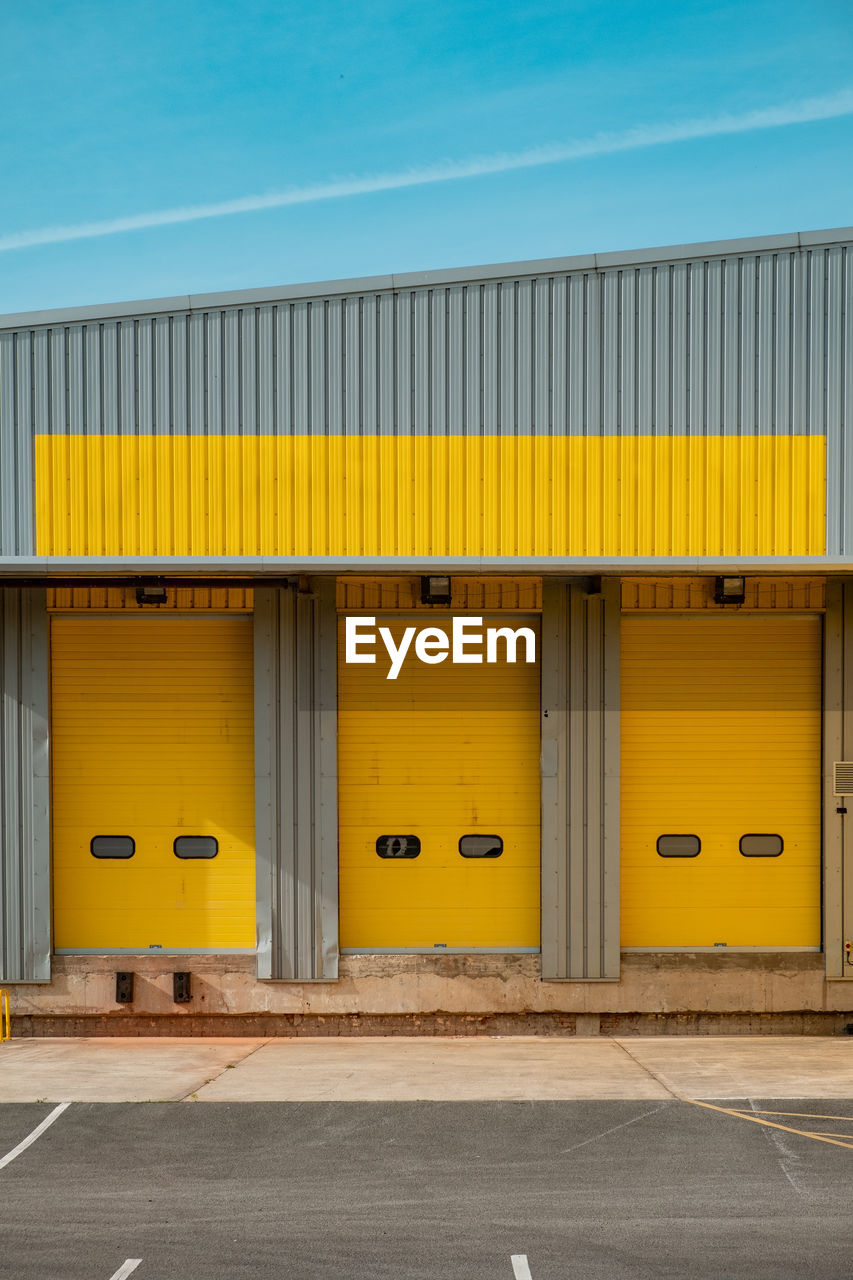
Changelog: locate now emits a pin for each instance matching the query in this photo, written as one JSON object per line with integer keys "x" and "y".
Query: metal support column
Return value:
{"x": 580, "y": 780}
{"x": 296, "y": 782}
{"x": 24, "y": 788}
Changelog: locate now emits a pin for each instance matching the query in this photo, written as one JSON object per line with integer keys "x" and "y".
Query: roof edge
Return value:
{"x": 260, "y": 567}
{"x": 423, "y": 279}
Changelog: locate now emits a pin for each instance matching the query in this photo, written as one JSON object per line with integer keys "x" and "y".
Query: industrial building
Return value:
{"x": 464, "y": 650}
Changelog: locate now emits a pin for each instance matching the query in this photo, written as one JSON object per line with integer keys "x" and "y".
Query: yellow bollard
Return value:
{"x": 5, "y": 1017}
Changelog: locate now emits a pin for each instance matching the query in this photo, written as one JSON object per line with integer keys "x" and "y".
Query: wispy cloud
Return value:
{"x": 803, "y": 111}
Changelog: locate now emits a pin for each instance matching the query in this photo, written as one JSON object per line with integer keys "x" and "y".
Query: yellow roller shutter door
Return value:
{"x": 721, "y": 726}
{"x": 439, "y": 753}
{"x": 152, "y": 738}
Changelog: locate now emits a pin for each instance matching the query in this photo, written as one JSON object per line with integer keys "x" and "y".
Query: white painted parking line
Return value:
{"x": 521, "y": 1267}
{"x": 36, "y": 1133}
{"x": 129, "y": 1265}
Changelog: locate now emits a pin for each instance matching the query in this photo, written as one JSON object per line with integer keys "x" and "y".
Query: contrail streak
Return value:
{"x": 801, "y": 112}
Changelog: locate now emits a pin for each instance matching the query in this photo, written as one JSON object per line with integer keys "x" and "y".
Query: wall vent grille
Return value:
{"x": 842, "y": 778}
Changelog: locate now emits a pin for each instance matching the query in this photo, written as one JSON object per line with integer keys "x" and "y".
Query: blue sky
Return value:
{"x": 520, "y": 131}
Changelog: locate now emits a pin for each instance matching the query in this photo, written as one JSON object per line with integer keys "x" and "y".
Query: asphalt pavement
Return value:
{"x": 585, "y": 1190}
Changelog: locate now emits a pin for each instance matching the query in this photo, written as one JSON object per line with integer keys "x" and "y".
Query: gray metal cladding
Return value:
{"x": 17, "y": 519}
{"x": 24, "y": 788}
{"x": 837, "y": 336}
{"x": 837, "y": 746}
{"x": 580, "y": 781}
{"x": 296, "y": 782}
{"x": 752, "y": 343}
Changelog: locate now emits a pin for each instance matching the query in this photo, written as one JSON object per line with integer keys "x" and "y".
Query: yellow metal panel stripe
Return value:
{"x": 430, "y": 495}
{"x": 181, "y": 599}
{"x": 524, "y": 595}
{"x": 683, "y": 593}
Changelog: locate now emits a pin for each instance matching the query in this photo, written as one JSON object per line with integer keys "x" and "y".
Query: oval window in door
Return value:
{"x": 398, "y": 846}
{"x": 477, "y": 846}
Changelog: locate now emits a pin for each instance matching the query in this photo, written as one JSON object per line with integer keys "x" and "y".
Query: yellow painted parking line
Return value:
{"x": 806, "y": 1115}
{"x": 771, "y": 1124}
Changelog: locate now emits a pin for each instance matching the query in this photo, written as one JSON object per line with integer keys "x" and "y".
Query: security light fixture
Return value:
{"x": 150, "y": 591}
{"x": 435, "y": 590}
{"x": 729, "y": 590}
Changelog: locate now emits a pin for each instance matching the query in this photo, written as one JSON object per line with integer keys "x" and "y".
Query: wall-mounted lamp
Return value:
{"x": 729, "y": 590}
{"x": 435, "y": 590}
{"x": 150, "y": 591}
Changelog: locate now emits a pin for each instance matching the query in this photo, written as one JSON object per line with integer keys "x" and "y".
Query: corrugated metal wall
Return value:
{"x": 834, "y": 340}
{"x": 296, "y": 782}
{"x": 404, "y": 418}
{"x": 681, "y": 352}
{"x": 180, "y": 599}
{"x": 580, "y": 781}
{"x": 17, "y": 483}
{"x": 522, "y": 595}
{"x": 24, "y": 788}
{"x": 740, "y": 345}
{"x": 685, "y": 593}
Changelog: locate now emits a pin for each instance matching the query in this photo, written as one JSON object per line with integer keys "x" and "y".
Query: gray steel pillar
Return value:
{"x": 580, "y": 780}
{"x": 296, "y": 795}
{"x": 24, "y": 788}
{"x": 18, "y": 424}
